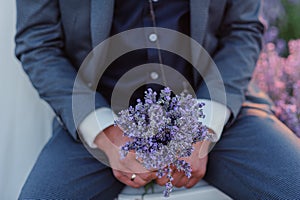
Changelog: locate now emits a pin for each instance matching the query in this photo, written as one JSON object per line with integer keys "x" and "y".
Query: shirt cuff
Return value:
{"x": 216, "y": 116}
{"x": 95, "y": 123}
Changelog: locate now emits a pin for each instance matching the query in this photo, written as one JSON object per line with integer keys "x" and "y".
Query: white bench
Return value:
{"x": 202, "y": 191}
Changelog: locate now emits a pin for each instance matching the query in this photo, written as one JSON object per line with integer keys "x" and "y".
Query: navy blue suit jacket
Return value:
{"x": 54, "y": 36}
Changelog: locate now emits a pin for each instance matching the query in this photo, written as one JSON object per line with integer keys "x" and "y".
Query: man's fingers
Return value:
{"x": 162, "y": 181}
{"x": 177, "y": 176}
{"x": 135, "y": 166}
{"x": 126, "y": 179}
{"x": 140, "y": 182}
{"x": 110, "y": 141}
{"x": 192, "y": 182}
{"x": 196, "y": 177}
{"x": 179, "y": 179}
{"x": 147, "y": 176}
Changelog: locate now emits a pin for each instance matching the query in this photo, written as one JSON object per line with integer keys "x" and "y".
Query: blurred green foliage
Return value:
{"x": 289, "y": 25}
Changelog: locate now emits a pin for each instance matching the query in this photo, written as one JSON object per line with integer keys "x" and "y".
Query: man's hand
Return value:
{"x": 198, "y": 162}
{"x": 110, "y": 141}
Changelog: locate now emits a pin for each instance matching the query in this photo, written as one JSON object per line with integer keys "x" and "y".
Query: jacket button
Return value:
{"x": 154, "y": 75}
{"x": 153, "y": 37}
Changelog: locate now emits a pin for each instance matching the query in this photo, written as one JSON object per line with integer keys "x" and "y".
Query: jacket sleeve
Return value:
{"x": 238, "y": 49}
{"x": 40, "y": 48}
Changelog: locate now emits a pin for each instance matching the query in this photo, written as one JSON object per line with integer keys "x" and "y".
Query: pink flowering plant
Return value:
{"x": 163, "y": 130}
{"x": 279, "y": 77}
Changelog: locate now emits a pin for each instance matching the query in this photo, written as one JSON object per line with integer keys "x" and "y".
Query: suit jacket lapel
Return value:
{"x": 101, "y": 20}
{"x": 199, "y": 15}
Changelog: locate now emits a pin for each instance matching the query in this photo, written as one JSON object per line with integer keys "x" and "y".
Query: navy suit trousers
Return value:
{"x": 256, "y": 158}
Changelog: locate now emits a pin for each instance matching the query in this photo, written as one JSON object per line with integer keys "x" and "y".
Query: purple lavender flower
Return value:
{"x": 272, "y": 10}
{"x": 279, "y": 78}
{"x": 163, "y": 129}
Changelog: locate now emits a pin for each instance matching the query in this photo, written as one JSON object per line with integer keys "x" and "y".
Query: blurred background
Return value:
{"x": 26, "y": 120}
{"x": 278, "y": 68}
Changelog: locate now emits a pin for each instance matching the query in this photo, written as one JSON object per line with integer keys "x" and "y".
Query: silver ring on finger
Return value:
{"x": 133, "y": 176}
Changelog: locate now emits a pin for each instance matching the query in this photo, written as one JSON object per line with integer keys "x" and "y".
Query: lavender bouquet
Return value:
{"x": 163, "y": 130}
